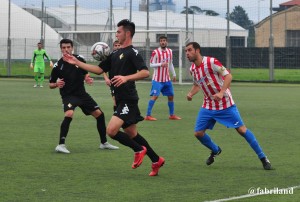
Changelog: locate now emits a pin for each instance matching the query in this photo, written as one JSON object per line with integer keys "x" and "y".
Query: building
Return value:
{"x": 286, "y": 27}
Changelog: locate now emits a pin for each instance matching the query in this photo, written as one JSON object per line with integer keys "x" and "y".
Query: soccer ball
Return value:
{"x": 100, "y": 51}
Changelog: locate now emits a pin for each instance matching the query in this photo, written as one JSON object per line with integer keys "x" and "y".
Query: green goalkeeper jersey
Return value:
{"x": 39, "y": 55}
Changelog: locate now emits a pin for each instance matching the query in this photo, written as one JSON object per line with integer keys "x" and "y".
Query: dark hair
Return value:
{"x": 128, "y": 26}
{"x": 194, "y": 44}
{"x": 66, "y": 41}
{"x": 116, "y": 41}
{"x": 39, "y": 43}
{"x": 163, "y": 37}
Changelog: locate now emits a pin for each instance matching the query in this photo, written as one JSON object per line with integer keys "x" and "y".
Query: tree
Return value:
{"x": 240, "y": 17}
{"x": 197, "y": 10}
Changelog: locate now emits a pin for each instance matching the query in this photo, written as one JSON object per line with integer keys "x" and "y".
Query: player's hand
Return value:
{"x": 189, "y": 97}
{"x": 164, "y": 64}
{"x": 218, "y": 96}
{"x": 31, "y": 66}
{"x": 69, "y": 58}
{"x": 51, "y": 64}
{"x": 108, "y": 82}
{"x": 118, "y": 80}
{"x": 174, "y": 79}
{"x": 60, "y": 83}
{"x": 89, "y": 80}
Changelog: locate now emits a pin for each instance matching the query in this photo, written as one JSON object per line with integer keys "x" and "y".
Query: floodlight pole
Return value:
{"x": 9, "y": 42}
{"x": 271, "y": 47}
{"x": 42, "y": 24}
{"x": 228, "y": 50}
{"x": 130, "y": 10}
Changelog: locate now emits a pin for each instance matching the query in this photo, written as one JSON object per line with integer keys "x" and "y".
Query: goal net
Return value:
{"x": 144, "y": 40}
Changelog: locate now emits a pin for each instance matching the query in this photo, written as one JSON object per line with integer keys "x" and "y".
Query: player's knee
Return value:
{"x": 241, "y": 130}
{"x": 69, "y": 113}
{"x": 111, "y": 132}
{"x": 199, "y": 134}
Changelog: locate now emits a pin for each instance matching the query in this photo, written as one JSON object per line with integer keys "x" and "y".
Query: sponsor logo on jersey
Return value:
{"x": 136, "y": 51}
{"x": 121, "y": 56}
{"x": 69, "y": 105}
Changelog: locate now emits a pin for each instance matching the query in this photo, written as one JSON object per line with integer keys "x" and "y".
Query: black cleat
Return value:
{"x": 212, "y": 156}
{"x": 266, "y": 163}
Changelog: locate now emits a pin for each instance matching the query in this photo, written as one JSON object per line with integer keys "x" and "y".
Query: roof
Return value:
{"x": 291, "y": 3}
{"x": 23, "y": 24}
{"x": 157, "y": 19}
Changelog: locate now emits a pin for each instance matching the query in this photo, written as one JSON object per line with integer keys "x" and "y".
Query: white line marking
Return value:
{"x": 248, "y": 195}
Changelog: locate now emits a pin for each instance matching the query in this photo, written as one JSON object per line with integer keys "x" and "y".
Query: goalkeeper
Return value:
{"x": 38, "y": 65}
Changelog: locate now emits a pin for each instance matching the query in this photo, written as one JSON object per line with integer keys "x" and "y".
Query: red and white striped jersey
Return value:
{"x": 159, "y": 56}
{"x": 210, "y": 77}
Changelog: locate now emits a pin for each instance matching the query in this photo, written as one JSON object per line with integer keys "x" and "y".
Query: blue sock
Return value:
{"x": 206, "y": 141}
{"x": 150, "y": 106}
{"x": 249, "y": 136}
{"x": 171, "y": 107}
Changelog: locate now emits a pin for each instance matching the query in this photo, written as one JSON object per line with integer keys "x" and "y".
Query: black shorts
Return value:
{"x": 85, "y": 102}
{"x": 112, "y": 90}
{"x": 129, "y": 112}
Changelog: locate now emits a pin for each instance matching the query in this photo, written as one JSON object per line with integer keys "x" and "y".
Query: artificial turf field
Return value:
{"x": 30, "y": 170}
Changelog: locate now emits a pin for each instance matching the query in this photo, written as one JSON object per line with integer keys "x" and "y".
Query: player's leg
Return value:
{"x": 154, "y": 93}
{"x": 167, "y": 90}
{"x": 36, "y": 75}
{"x": 42, "y": 74}
{"x": 64, "y": 129}
{"x": 101, "y": 127}
{"x": 250, "y": 138}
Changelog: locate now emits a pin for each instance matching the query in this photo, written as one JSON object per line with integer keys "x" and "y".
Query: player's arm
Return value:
{"x": 87, "y": 67}
{"x": 153, "y": 61}
{"x": 107, "y": 80}
{"x": 49, "y": 59}
{"x": 119, "y": 80}
{"x": 88, "y": 79}
{"x": 172, "y": 70}
{"x": 32, "y": 60}
{"x": 194, "y": 90}
{"x": 54, "y": 81}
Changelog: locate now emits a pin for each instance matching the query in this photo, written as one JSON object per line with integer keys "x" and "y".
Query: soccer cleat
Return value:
{"x": 106, "y": 145}
{"x": 156, "y": 166}
{"x": 212, "y": 157}
{"x": 138, "y": 158}
{"x": 150, "y": 118}
{"x": 266, "y": 163}
{"x": 41, "y": 86}
{"x": 174, "y": 117}
{"x": 61, "y": 148}
{"x": 35, "y": 85}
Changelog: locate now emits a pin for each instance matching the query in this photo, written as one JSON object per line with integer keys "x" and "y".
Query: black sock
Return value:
{"x": 142, "y": 141}
{"x": 101, "y": 128}
{"x": 124, "y": 139}
{"x": 64, "y": 129}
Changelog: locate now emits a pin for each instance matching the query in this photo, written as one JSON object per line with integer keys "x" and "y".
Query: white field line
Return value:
{"x": 250, "y": 195}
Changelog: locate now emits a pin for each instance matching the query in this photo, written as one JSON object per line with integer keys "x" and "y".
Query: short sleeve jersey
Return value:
{"x": 72, "y": 76}
{"x": 125, "y": 61}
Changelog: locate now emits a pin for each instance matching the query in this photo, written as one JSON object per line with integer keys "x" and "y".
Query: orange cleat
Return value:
{"x": 138, "y": 158}
{"x": 156, "y": 166}
{"x": 174, "y": 117}
{"x": 150, "y": 118}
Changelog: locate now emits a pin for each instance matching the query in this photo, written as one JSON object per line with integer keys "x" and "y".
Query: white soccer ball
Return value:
{"x": 100, "y": 51}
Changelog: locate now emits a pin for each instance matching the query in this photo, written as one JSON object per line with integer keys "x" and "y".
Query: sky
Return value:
{"x": 256, "y": 9}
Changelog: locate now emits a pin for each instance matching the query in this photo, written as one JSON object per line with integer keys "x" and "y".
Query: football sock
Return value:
{"x": 101, "y": 127}
{"x": 124, "y": 139}
{"x": 249, "y": 136}
{"x": 36, "y": 78}
{"x": 171, "y": 107}
{"x": 42, "y": 76}
{"x": 150, "y": 106}
{"x": 207, "y": 141}
{"x": 152, "y": 155}
{"x": 64, "y": 129}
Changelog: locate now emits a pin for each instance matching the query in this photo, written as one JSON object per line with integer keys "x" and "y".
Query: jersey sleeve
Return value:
{"x": 106, "y": 64}
{"x": 218, "y": 67}
{"x": 47, "y": 56}
{"x": 54, "y": 73}
{"x": 33, "y": 57}
{"x": 153, "y": 60}
{"x": 138, "y": 61}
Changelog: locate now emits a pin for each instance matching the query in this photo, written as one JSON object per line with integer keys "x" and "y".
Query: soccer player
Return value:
{"x": 162, "y": 63}
{"x": 38, "y": 65}
{"x": 70, "y": 81}
{"x": 125, "y": 66}
{"x": 116, "y": 46}
{"x": 213, "y": 79}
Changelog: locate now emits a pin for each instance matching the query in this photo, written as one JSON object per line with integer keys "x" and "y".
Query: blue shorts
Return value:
{"x": 166, "y": 88}
{"x": 229, "y": 117}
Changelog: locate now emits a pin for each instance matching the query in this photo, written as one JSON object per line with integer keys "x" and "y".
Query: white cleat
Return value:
{"x": 35, "y": 85}
{"x": 106, "y": 145}
{"x": 61, "y": 148}
{"x": 41, "y": 86}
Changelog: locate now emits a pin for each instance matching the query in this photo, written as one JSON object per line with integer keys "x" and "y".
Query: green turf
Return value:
{"x": 22, "y": 69}
{"x": 31, "y": 171}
